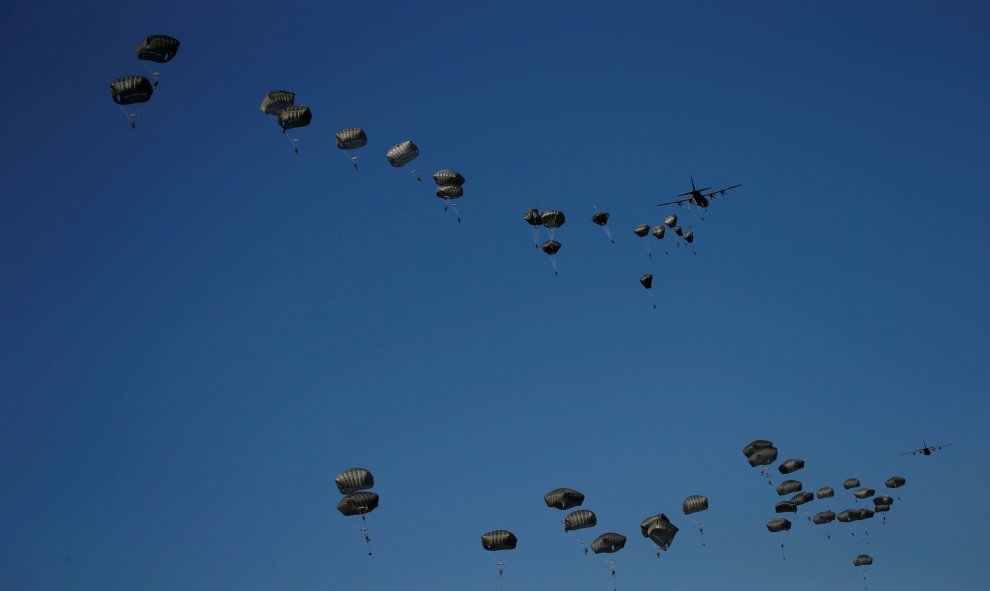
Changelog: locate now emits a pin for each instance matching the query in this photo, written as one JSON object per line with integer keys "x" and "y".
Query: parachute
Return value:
{"x": 647, "y": 282}
{"x": 850, "y": 483}
{"x": 447, "y": 177}
{"x": 847, "y": 516}
{"x": 563, "y": 498}
{"x": 881, "y": 507}
{"x": 401, "y": 154}
{"x": 294, "y": 117}
{"x": 895, "y": 482}
{"x": 580, "y": 519}
{"x": 131, "y": 90}
{"x": 788, "y": 486}
{"x": 359, "y": 503}
{"x": 354, "y": 479}
{"x": 864, "y": 493}
{"x": 825, "y": 492}
{"x": 608, "y": 543}
{"x": 823, "y": 518}
{"x": 276, "y": 100}
{"x": 450, "y": 192}
{"x": 678, "y": 231}
{"x": 499, "y": 539}
{"x": 551, "y": 247}
{"x": 660, "y": 531}
{"x": 752, "y": 446}
{"x": 763, "y": 457}
{"x": 552, "y": 220}
{"x": 642, "y": 231}
{"x": 351, "y": 138}
{"x": 785, "y": 507}
{"x": 534, "y": 218}
{"x": 157, "y": 48}
{"x": 670, "y": 221}
{"x": 883, "y": 500}
{"x": 778, "y": 525}
{"x": 601, "y": 219}
{"x": 689, "y": 236}
{"x": 792, "y": 465}
{"x": 659, "y": 231}
{"x": 863, "y": 560}
{"x": 695, "y": 503}
{"x": 802, "y": 498}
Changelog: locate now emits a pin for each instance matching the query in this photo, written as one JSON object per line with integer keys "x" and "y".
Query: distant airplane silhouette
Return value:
{"x": 927, "y": 449}
{"x": 697, "y": 197}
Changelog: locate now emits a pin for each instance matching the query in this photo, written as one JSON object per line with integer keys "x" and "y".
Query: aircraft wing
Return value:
{"x": 678, "y": 202}
{"x": 721, "y": 192}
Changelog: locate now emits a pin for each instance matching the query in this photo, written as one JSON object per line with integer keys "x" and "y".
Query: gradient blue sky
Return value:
{"x": 200, "y": 329}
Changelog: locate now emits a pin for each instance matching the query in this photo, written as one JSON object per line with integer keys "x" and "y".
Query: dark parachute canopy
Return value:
{"x": 553, "y": 218}
{"x": 678, "y": 231}
{"x": 401, "y": 154}
{"x": 446, "y": 177}
{"x": 641, "y": 230}
{"x": 792, "y": 465}
{"x": 354, "y": 479}
{"x": 580, "y": 519}
{"x": 895, "y": 482}
{"x": 351, "y": 138}
{"x": 563, "y": 498}
{"x": 550, "y": 247}
{"x": 863, "y": 560}
{"x": 883, "y": 500}
{"x": 608, "y": 543}
{"x": 823, "y": 518}
{"x": 158, "y": 48}
{"x": 294, "y": 117}
{"x": 600, "y": 218}
{"x": 534, "y": 217}
{"x": 785, "y": 507}
{"x": 802, "y": 498}
{"x": 358, "y": 503}
{"x": 689, "y": 236}
{"x": 863, "y": 514}
{"x": 671, "y": 221}
{"x": 847, "y": 516}
{"x": 780, "y": 524}
{"x": 659, "y": 231}
{"x": 763, "y": 457}
{"x": 659, "y": 529}
{"x": 276, "y": 100}
{"x": 450, "y": 192}
{"x": 880, "y": 508}
{"x": 850, "y": 483}
{"x": 695, "y": 503}
{"x": 131, "y": 89}
{"x": 754, "y": 445}
{"x": 825, "y": 492}
{"x": 647, "y": 280}
{"x": 864, "y": 493}
{"x": 499, "y": 539}
{"x": 788, "y": 486}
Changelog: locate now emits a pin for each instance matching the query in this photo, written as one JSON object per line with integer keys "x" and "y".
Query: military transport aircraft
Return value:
{"x": 698, "y": 197}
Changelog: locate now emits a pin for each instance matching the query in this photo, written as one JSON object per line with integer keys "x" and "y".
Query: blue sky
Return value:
{"x": 200, "y": 328}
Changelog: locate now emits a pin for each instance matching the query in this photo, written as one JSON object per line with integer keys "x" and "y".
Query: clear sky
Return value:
{"x": 200, "y": 328}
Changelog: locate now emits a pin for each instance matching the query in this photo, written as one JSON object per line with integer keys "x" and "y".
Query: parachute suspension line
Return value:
{"x": 154, "y": 73}
{"x": 536, "y": 236}
{"x": 701, "y": 529}
{"x": 553, "y": 261}
{"x": 415, "y": 173}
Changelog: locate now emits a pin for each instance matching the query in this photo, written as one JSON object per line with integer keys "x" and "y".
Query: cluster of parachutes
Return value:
{"x": 354, "y": 483}
{"x": 552, "y": 220}
{"x": 657, "y": 528}
{"x": 135, "y": 89}
{"x": 762, "y": 453}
